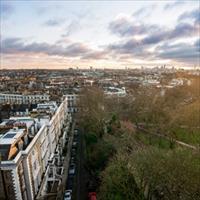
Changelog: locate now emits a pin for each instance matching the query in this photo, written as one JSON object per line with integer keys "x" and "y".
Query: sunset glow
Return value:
{"x": 108, "y": 34}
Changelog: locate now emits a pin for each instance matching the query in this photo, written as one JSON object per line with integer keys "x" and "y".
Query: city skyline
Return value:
{"x": 115, "y": 34}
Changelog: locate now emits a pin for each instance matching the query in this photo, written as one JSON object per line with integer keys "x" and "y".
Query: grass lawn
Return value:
{"x": 188, "y": 136}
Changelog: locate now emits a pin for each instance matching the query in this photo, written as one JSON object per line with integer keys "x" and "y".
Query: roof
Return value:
{"x": 16, "y": 121}
{"x": 11, "y": 136}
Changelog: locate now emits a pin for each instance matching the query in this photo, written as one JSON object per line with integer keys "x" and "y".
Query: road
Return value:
{"x": 80, "y": 192}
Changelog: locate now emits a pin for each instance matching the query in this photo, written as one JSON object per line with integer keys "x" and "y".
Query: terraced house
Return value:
{"x": 26, "y": 151}
{"x": 20, "y": 98}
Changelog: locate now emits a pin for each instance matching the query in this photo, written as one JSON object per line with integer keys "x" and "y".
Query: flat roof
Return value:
{"x": 11, "y": 136}
{"x": 16, "y": 120}
{"x": 22, "y": 118}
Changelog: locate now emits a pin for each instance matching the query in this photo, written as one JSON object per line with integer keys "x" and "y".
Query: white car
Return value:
{"x": 68, "y": 195}
{"x": 74, "y": 144}
{"x": 75, "y": 132}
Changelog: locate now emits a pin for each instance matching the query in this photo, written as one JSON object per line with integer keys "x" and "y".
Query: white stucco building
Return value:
{"x": 22, "y": 99}
{"x": 25, "y": 156}
{"x": 72, "y": 100}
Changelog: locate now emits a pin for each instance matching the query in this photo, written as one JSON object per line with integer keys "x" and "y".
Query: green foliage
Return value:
{"x": 114, "y": 118}
{"x": 109, "y": 129}
{"x": 118, "y": 183}
{"x": 167, "y": 174}
{"x": 90, "y": 139}
{"x": 155, "y": 141}
{"x": 191, "y": 136}
{"x": 98, "y": 154}
{"x": 143, "y": 164}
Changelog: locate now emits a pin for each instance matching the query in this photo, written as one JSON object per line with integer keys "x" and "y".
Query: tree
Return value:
{"x": 167, "y": 174}
{"x": 118, "y": 183}
{"x": 92, "y": 116}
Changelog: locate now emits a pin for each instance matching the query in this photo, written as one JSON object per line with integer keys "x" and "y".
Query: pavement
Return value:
{"x": 62, "y": 188}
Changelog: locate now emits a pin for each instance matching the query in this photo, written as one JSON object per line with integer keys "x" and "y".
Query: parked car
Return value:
{"x": 74, "y": 144}
{"x": 72, "y": 169}
{"x": 72, "y": 159}
{"x": 76, "y": 132}
{"x": 73, "y": 152}
{"x": 92, "y": 196}
{"x": 70, "y": 182}
{"x": 68, "y": 195}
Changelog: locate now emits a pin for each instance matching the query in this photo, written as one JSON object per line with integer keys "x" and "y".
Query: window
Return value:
{"x": 34, "y": 165}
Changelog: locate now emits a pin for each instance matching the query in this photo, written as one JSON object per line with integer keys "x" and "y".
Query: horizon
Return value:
{"x": 110, "y": 34}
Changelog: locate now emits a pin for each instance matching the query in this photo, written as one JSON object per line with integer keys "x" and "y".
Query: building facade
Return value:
{"x": 22, "y": 99}
{"x": 72, "y": 102}
{"x": 23, "y": 172}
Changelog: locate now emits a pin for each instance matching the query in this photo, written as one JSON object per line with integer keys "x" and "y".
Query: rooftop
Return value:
{"x": 11, "y": 136}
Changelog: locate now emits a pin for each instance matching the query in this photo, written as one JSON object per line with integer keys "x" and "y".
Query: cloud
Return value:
{"x": 72, "y": 28}
{"x": 53, "y": 22}
{"x": 97, "y": 55}
{"x": 194, "y": 15}
{"x": 129, "y": 48}
{"x": 181, "y": 52}
{"x": 155, "y": 38}
{"x": 9, "y": 45}
{"x": 174, "y": 4}
{"x": 72, "y": 49}
{"x": 144, "y": 11}
{"x": 16, "y": 45}
{"x": 197, "y": 44}
{"x": 124, "y": 47}
{"x": 124, "y": 26}
{"x": 182, "y": 30}
{"x": 77, "y": 49}
{"x": 133, "y": 48}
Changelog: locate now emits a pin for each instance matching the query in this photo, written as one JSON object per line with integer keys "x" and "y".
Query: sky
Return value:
{"x": 101, "y": 34}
